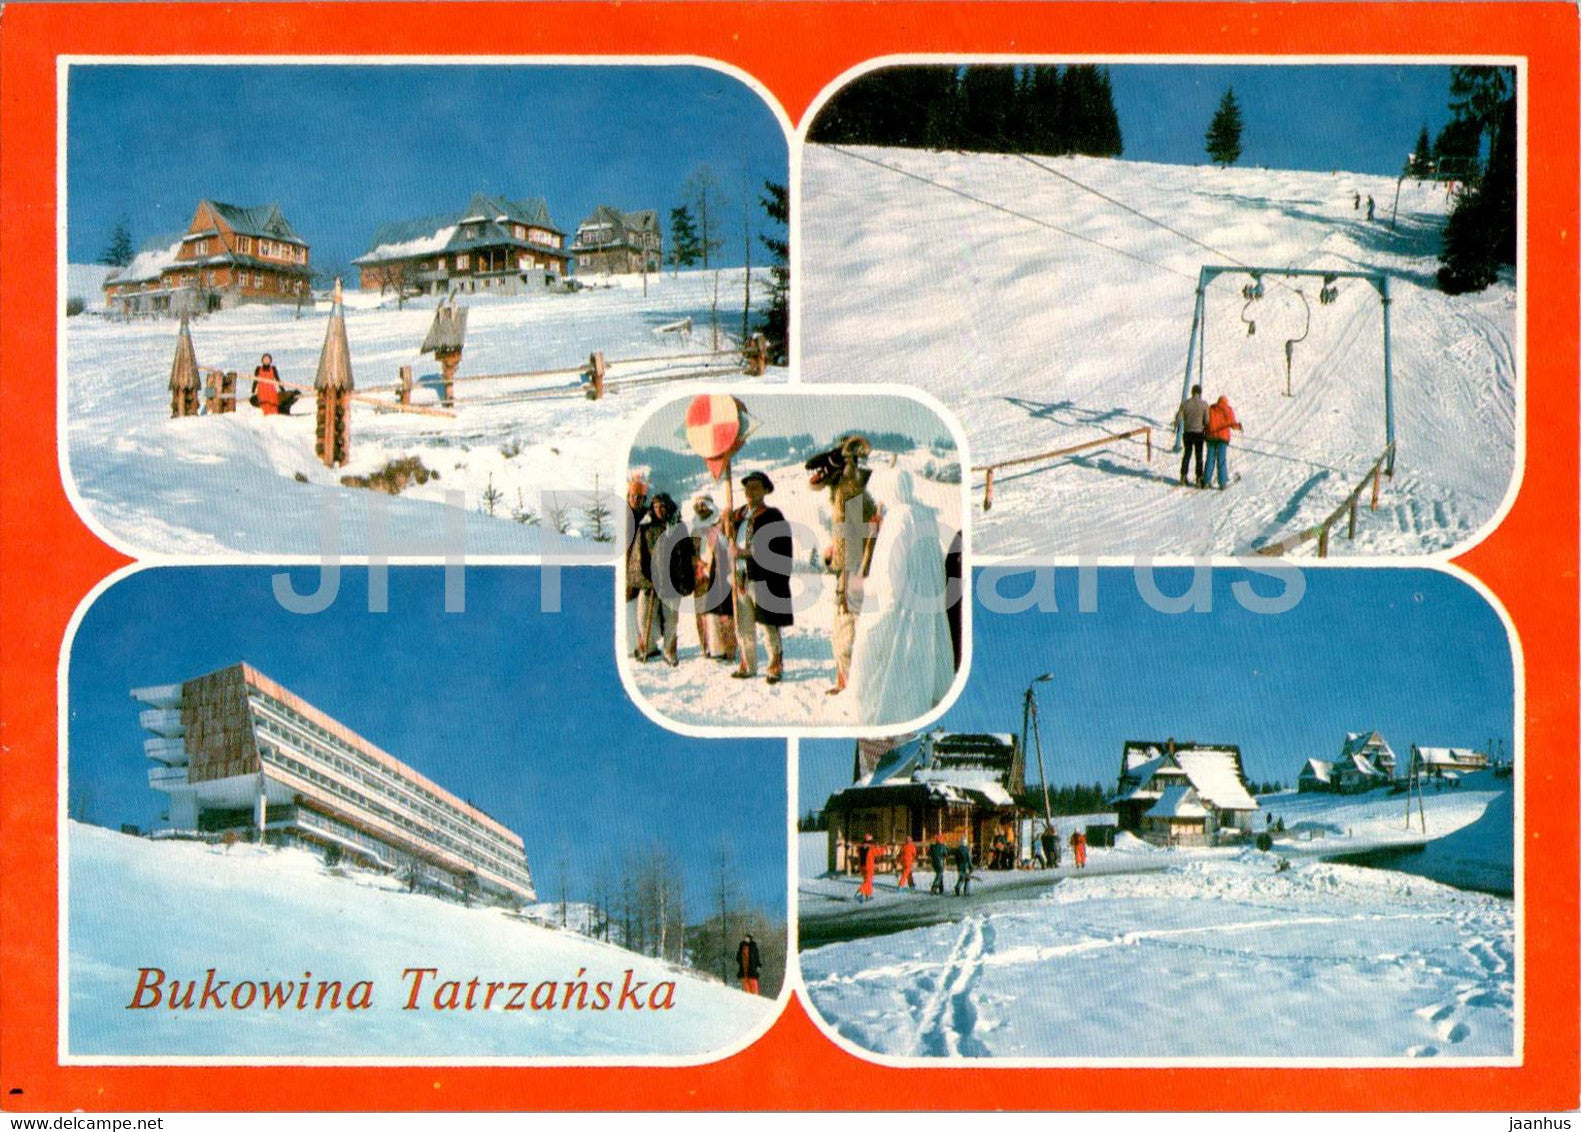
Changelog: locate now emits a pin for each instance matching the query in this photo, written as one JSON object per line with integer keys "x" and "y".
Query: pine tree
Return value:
{"x": 1046, "y": 111}
{"x": 1223, "y": 139}
{"x": 1422, "y": 155}
{"x": 987, "y": 96}
{"x": 684, "y": 251}
{"x": 1480, "y": 235}
{"x": 776, "y": 320}
{"x": 118, "y": 251}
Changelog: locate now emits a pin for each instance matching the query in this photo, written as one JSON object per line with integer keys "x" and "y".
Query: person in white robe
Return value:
{"x": 903, "y": 662}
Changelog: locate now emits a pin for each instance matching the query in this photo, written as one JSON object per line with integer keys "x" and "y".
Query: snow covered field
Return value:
{"x": 270, "y": 916}
{"x": 245, "y": 483}
{"x": 1039, "y": 341}
{"x": 1216, "y": 953}
{"x": 700, "y": 691}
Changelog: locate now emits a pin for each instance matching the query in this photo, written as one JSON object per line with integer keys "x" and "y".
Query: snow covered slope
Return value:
{"x": 1217, "y": 959}
{"x": 270, "y": 916}
{"x": 699, "y": 691}
{"x": 251, "y": 484}
{"x": 1039, "y": 340}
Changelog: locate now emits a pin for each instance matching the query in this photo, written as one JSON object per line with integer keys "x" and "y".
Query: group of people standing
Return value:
{"x": 1206, "y": 426}
{"x": 736, "y": 569}
{"x": 896, "y": 662}
{"x": 867, "y": 855}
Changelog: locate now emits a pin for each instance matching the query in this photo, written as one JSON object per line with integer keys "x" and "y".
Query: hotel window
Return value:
{"x": 462, "y": 261}
{"x": 244, "y": 244}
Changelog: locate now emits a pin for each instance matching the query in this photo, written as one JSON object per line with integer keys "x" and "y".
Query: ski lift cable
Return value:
{"x": 1010, "y": 211}
{"x": 1138, "y": 213}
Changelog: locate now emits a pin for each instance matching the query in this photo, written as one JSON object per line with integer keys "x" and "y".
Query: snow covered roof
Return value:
{"x": 150, "y": 262}
{"x": 643, "y": 220}
{"x": 448, "y": 231}
{"x": 1357, "y": 742}
{"x": 1318, "y": 769}
{"x": 1449, "y": 756}
{"x": 1178, "y": 802}
{"x": 264, "y": 220}
{"x": 1217, "y": 776}
{"x": 1364, "y": 765}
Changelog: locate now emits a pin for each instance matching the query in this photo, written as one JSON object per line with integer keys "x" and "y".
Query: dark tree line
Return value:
{"x": 1480, "y": 235}
{"x": 1067, "y": 799}
{"x": 983, "y": 108}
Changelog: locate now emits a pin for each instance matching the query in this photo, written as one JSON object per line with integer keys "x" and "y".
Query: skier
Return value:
{"x": 1192, "y": 416}
{"x": 267, "y": 394}
{"x": 1369, "y": 206}
{"x": 908, "y": 861}
{"x": 937, "y": 854}
{"x": 1355, "y": 204}
{"x": 1078, "y": 847}
{"x": 748, "y": 963}
{"x": 1221, "y": 419}
{"x": 763, "y": 555}
{"x": 1050, "y": 841}
{"x": 963, "y": 868}
{"x": 867, "y": 855}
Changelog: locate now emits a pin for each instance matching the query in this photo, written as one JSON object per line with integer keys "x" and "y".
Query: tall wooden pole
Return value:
{"x": 184, "y": 380}
{"x": 333, "y": 385}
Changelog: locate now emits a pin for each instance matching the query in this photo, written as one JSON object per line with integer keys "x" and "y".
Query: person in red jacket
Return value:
{"x": 1078, "y": 846}
{"x": 867, "y": 855}
{"x": 1221, "y": 420}
{"x": 908, "y": 861}
{"x": 266, "y": 388}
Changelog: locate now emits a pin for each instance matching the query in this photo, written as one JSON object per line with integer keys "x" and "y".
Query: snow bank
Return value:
{"x": 245, "y": 483}
{"x": 267, "y": 916}
{"x": 1224, "y": 958}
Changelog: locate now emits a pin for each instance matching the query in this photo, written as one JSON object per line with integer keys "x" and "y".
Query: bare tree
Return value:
{"x": 702, "y": 192}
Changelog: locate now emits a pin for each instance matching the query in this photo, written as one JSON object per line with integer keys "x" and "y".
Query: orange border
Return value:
{"x": 51, "y": 561}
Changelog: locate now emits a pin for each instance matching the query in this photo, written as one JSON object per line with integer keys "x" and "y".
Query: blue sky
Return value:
{"x": 517, "y": 710}
{"x": 1361, "y": 119}
{"x": 1415, "y": 654}
{"x": 344, "y": 148}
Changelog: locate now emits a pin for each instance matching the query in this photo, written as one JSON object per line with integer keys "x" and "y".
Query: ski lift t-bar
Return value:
{"x": 1380, "y": 281}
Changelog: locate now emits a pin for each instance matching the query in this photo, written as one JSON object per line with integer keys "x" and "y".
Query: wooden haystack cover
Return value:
{"x": 448, "y": 332}
{"x": 184, "y": 379}
{"x": 334, "y": 360}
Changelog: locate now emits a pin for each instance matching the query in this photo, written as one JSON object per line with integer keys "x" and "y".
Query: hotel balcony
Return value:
{"x": 171, "y": 752}
{"x": 166, "y": 777}
{"x": 162, "y": 721}
{"x": 159, "y": 695}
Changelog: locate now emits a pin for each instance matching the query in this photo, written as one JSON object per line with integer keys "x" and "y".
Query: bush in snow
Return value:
{"x": 394, "y": 476}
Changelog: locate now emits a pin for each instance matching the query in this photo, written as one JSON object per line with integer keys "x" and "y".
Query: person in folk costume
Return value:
{"x": 749, "y": 964}
{"x": 908, "y": 862}
{"x": 716, "y": 625}
{"x": 903, "y": 662}
{"x": 963, "y": 868}
{"x": 636, "y": 508}
{"x": 867, "y": 855}
{"x": 666, "y": 573}
{"x": 1221, "y": 421}
{"x": 764, "y": 554}
{"x": 938, "y": 855}
{"x": 1078, "y": 848}
{"x": 852, "y": 517}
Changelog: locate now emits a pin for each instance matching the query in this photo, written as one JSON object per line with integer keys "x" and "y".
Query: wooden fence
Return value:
{"x": 1320, "y": 531}
{"x": 1145, "y": 432}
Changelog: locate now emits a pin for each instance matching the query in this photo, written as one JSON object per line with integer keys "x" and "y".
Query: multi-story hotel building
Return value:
{"x": 235, "y": 751}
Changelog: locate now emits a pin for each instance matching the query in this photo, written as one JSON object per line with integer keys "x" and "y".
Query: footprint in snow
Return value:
{"x": 1453, "y": 1031}
{"x": 1422, "y": 1051}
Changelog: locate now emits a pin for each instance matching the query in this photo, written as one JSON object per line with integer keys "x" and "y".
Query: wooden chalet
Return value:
{"x": 947, "y": 784}
{"x": 1446, "y": 763}
{"x": 492, "y": 244}
{"x": 227, "y": 256}
{"x": 1366, "y": 762}
{"x": 612, "y": 242}
{"x": 1182, "y": 793}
